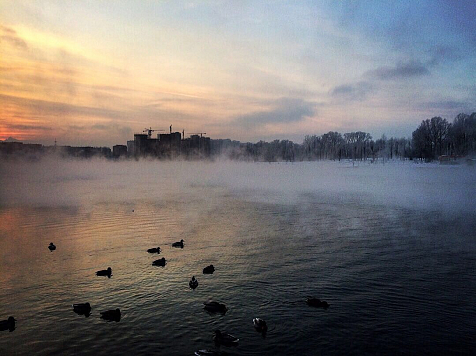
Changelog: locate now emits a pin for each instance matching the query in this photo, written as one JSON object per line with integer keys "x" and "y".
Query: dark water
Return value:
{"x": 399, "y": 279}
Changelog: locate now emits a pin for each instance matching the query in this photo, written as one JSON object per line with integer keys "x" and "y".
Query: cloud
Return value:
{"x": 448, "y": 105}
{"x": 113, "y": 128}
{"x": 100, "y": 127}
{"x": 443, "y": 54}
{"x": 108, "y": 127}
{"x": 284, "y": 110}
{"x": 28, "y": 127}
{"x": 357, "y": 91}
{"x": 400, "y": 71}
{"x": 9, "y": 35}
{"x": 57, "y": 109}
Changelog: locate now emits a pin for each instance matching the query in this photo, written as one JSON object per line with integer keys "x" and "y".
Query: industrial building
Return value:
{"x": 130, "y": 148}
{"x": 170, "y": 146}
{"x": 196, "y": 147}
{"x": 119, "y": 151}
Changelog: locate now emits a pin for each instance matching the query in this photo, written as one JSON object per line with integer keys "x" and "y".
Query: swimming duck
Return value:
{"x": 210, "y": 352}
{"x": 215, "y": 307}
{"x": 178, "y": 244}
{"x": 225, "y": 339}
{"x": 316, "y": 302}
{"x": 193, "y": 283}
{"x": 154, "y": 250}
{"x": 82, "y": 309}
{"x": 51, "y": 246}
{"x": 209, "y": 270}
{"x": 105, "y": 272}
{"x": 159, "y": 262}
{"x": 260, "y": 325}
{"x": 111, "y": 315}
{"x": 8, "y": 324}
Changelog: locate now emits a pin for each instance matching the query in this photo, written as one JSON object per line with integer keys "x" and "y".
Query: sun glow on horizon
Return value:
{"x": 239, "y": 71}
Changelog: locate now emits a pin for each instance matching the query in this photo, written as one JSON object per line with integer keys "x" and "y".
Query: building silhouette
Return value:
{"x": 169, "y": 146}
{"x": 119, "y": 151}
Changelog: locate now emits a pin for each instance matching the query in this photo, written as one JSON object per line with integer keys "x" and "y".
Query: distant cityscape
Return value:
{"x": 170, "y": 145}
{"x": 435, "y": 138}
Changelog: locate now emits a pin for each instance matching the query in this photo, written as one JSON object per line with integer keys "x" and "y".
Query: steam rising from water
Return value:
{"x": 52, "y": 183}
{"x": 390, "y": 247}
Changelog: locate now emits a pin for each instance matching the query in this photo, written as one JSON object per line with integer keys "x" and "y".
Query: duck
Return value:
{"x": 209, "y": 270}
{"x": 105, "y": 272}
{"x": 215, "y": 307}
{"x": 52, "y": 246}
{"x": 111, "y": 315}
{"x": 210, "y": 352}
{"x": 8, "y": 324}
{"x": 82, "y": 309}
{"x": 260, "y": 325}
{"x": 225, "y": 339}
{"x": 316, "y": 302}
{"x": 193, "y": 283}
{"x": 178, "y": 244}
{"x": 159, "y": 262}
{"x": 154, "y": 250}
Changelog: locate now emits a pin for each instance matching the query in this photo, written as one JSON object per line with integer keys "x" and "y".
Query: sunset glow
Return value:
{"x": 93, "y": 73}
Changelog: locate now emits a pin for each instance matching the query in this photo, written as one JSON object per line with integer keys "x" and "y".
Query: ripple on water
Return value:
{"x": 391, "y": 282}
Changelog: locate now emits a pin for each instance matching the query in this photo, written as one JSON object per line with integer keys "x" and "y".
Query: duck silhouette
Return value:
{"x": 105, "y": 272}
{"x": 193, "y": 283}
{"x": 209, "y": 270}
{"x": 178, "y": 244}
{"x": 82, "y": 309}
{"x": 215, "y": 307}
{"x": 52, "y": 246}
{"x": 159, "y": 262}
{"x": 154, "y": 250}
{"x": 225, "y": 339}
{"x": 111, "y": 315}
{"x": 8, "y": 324}
{"x": 317, "y": 303}
{"x": 260, "y": 325}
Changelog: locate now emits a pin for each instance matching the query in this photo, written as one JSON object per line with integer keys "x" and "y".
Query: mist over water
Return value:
{"x": 448, "y": 189}
{"x": 391, "y": 247}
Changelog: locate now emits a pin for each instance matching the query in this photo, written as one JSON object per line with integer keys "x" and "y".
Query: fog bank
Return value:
{"x": 54, "y": 183}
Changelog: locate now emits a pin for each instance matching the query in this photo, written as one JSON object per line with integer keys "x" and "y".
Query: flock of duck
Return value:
{"x": 221, "y": 338}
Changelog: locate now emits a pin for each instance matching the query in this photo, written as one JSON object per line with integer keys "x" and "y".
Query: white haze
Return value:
{"x": 55, "y": 183}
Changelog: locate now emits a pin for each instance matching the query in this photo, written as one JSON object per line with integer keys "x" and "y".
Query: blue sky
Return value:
{"x": 93, "y": 73}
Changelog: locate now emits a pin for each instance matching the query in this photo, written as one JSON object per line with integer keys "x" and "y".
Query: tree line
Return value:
{"x": 432, "y": 138}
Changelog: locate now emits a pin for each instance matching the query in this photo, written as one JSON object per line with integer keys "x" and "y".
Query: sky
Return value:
{"x": 96, "y": 72}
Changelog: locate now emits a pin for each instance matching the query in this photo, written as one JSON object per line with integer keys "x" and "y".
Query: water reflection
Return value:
{"x": 402, "y": 268}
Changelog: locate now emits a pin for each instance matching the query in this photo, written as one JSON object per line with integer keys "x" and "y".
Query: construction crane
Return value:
{"x": 198, "y": 133}
{"x": 149, "y": 131}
